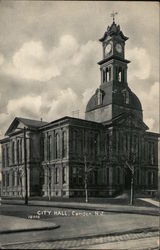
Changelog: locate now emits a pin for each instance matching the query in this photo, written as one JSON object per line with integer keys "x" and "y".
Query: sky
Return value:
{"x": 49, "y": 52}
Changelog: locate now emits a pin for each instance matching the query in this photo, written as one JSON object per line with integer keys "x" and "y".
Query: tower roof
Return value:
{"x": 113, "y": 30}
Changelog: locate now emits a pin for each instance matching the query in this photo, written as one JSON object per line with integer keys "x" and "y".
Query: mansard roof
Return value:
{"x": 112, "y": 30}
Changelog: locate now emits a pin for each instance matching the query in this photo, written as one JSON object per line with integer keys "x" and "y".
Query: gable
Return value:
{"x": 19, "y": 123}
{"x": 130, "y": 121}
{"x": 14, "y": 127}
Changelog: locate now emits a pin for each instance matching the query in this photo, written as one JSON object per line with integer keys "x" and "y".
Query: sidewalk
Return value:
{"x": 153, "y": 202}
{"x": 91, "y": 206}
{"x": 10, "y": 224}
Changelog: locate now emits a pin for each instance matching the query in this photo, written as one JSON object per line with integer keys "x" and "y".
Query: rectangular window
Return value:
{"x": 3, "y": 158}
{"x": 18, "y": 178}
{"x": 42, "y": 147}
{"x": 64, "y": 144}
{"x": 7, "y": 180}
{"x": 96, "y": 144}
{"x": 20, "y": 150}
{"x": 57, "y": 142}
{"x": 3, "y": 180}
{"x": 17, "y": 151}
{"x": 49, "y": 147}
{"x": 74, "y": 175}
{"x": 7, "y": 156}
{"x": 151, "y": 152}
{"x": 13, "y": 152}
{"x": 80, "y": 176}
{"x": 107, "y": 144}
{"x": 13, "y": 179}
{"x": 56, "y": 175}
{"x": 64, "y": 175}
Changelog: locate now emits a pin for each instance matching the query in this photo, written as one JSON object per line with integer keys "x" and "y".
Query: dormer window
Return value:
{"x": 99, "y": 97}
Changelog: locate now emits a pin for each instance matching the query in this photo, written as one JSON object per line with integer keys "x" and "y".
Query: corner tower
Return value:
{"x": 113, "y": 97}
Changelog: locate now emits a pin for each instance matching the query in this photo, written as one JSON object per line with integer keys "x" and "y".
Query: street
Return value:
{"x": 76, "y": 227}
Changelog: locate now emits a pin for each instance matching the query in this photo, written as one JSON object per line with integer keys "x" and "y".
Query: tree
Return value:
{"x": 128, "y": 161}
{"x": 89, "y": 169}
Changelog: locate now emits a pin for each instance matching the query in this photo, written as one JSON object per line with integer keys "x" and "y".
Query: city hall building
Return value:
{"x": 107, "y": 148}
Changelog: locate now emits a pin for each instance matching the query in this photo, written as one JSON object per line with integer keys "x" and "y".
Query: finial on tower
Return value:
{"x": 113, "y": 15}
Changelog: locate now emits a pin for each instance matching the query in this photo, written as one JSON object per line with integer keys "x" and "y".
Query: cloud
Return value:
{"x": 30, "y": 62}
{"x": 150, "y": 105}
{"x": 63, "y": 105}
{"x": 26, "y": 106}
{"x": 1, "y": 59}
{"x": 140, "y": 63}
{"x": 33, "y": 62}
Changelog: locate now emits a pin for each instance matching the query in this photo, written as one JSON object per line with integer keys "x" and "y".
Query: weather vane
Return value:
{"x": 113, "y": 15}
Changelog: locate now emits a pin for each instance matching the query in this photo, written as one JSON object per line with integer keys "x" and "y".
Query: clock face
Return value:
{"x": 108, "y": 48}
{"x": 119, "y": 48}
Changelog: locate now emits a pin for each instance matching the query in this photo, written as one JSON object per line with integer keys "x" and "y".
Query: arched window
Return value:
{"x": 97, "y": 144}
{"x": 104, "y": 75}
{"x": 118, "y": 175}
{"x": 151, "y": 178}
{"x": 57, "y": 146}
{"x": 49, "y": 147}
{"x": 94, "y": 177}
{"x": 13, "y": 178}
{"x": 75, "y": 141}
{"x": 3, "y": 158}
{"x": 3, "y": 180}
{"x": 18, "y": 151}
{"x": 137, "y": 176}
{"x": 56, "y": 175}
{"x": 107, "y": 75}
{"x": 64, "y": 173}
{"x": 120, "y": 74}
{"x": 13, "y": 152}
{"x": 7, "y": 179}
{"x": 107, "y": 145}
{"x": 64, "y": 144}
{"x": 7, "y": 156}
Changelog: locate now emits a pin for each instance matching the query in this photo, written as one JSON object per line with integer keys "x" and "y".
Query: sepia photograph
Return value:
{"x": 79, "y": 125}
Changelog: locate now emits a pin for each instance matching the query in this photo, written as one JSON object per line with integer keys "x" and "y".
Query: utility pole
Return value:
{"x": 25, "y": 168}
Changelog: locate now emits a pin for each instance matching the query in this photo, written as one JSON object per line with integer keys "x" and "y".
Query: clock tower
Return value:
{"x": 113, "y": 97}
{"x": 113, "y": 65}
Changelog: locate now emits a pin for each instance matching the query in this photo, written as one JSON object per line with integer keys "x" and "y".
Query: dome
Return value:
{"x": 125, "y": 98}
